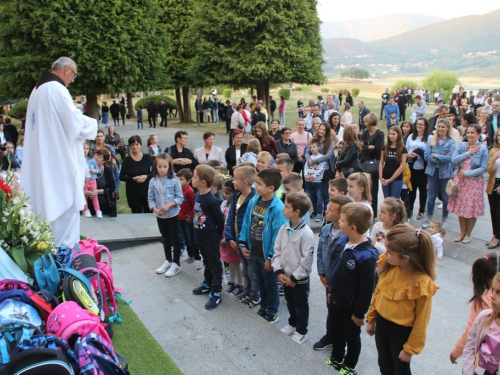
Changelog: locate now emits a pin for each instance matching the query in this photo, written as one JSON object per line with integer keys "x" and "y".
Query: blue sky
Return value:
{"x": 330, "y": 10}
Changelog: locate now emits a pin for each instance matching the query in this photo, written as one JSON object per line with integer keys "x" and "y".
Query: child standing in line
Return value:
{"x": 285, "y": 166}
{"x": 437, "y": 233}
{"x": 481, "y": 351}
{"x": 392, "y": 213}
{"x": 292, "y": 263}
{"x": 164, "y": 199}
{"x": 91, "y": 183}
{"x": 338, "y": 186}
{"x": 351, "y": 288}
{"x": 313, "y": 175}
{"x": 186, "y": 215}
{"x": 330, "y": 245}
{"x": 244, "y": 178}
{"x": 208, "y": 228}
{"x": 264, "y": 161}
{"x": 392, "y": 163}
{"x": 153, "y": 147}
{"x": 139, "y": 118}
{"x": 263, "y": 219}
{"x": 252, "y": 151}
{"x": 408, "y": 266}
{"x": 359, "y": 189}
{"x": 227, "y": 253}
{"x": 484, "y": 270}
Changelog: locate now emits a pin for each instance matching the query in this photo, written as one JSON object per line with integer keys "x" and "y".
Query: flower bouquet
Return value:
{"x": 23, "y": 236}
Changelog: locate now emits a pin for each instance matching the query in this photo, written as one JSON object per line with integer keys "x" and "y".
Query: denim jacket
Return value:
{"x": 478, "y": 162}
{"x": 443, "y": 156}
{"x": 329, "y": 250}
{"x": 91, "y": 164}
{"x": 172, "y": 191}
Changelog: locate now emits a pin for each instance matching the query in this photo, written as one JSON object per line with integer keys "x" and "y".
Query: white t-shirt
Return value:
{"x": 378, "y": 235}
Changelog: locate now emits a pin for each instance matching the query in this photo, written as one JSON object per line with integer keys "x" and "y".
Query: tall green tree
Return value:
{"x": 441, "y": 80}
{"x": 252, "y": 43}
{"x": 118, "y": 45}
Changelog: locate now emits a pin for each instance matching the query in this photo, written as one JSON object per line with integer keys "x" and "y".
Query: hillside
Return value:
{"x": 379, "y": 28}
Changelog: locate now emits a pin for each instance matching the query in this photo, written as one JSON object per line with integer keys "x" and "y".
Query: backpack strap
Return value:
{"x": 79, "y": 276}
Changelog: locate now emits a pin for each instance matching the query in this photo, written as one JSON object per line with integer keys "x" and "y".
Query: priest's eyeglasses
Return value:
{"x": 74, "y": 74}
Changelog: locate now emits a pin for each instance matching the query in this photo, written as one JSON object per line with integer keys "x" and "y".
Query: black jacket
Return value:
{"x": 290, "y": 149}
{"x": 377, "y": 140}
{"x": 186, "y": 153}
{"x": 231, "y": 156}
{"x": 273, "y": 105}
{"x": 229, "y": 113}
{"x": 362, "y": 113}
{"x": 258, "y": 116}
{"x": 114, "y": 109}
{"x": 151, "y": 108}
{"x": 348, "y": 158}
{"x": 353, "y": 278}
{"x": 164, "y": 110}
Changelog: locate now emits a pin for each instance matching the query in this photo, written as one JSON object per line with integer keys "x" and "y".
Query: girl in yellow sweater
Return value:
{"x": 402, "y": 302}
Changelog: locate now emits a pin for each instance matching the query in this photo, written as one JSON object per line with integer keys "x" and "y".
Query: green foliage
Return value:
{"x": 355, "y": 92}
{"x": 405, "y": 82}
{"x": 119, "y": 46}
{"x": 298, "y": 88}
{"x": 441, "y": 80}
{"x": 325, "y": 89}
{"x": 227, "y": 93}
{"x": 285, "y": 93}
{"x": 143, "y": 102}
{"x": 285, "y": 43}
{"x": 19, "y": 109}
{"x": 354, "y": 73}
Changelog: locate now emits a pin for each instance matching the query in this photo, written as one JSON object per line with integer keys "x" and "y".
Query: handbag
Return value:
{"x": 371, "y": 166}
{"x": 451, "y": 188}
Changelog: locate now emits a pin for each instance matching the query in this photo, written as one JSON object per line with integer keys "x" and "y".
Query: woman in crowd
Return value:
{"x": 331, "y": 110}
{"x": 267, "y": 143}
{"x": 470, "y": 160}
{"x": 347, "y": 116}
{"x": 462, "y": 104}
{"x": 136, "y": 171}
{"x": 286, "y": 145}
{"x": 275, "y": 130}
{"x": 234, "y": 152}
{"x": 438, "y": 153}
{"x": 372, "y": 142}
{"x": 392, "y": 163}
{"x": 415, "y": 144}
{"x": 486, "y": 127}
{"x": 493, "y": 190}
{"x": 209, "y": 151}
{"x": 115, "y": 141}
{"x": 247, "y": 117}
{"x": 106, "y": 189}
{"x": 348, "y": 99}
{"x": 282, "y": 110}
{"x": 181, "y": 155}
{"x": 301, "y": 139}
{"x": 334, "y": 122}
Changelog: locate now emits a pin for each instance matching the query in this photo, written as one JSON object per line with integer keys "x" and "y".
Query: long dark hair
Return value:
{"x": 328, "y": 137}
{"x": 264, "y": 138}
{"x": 426, "y": 130}
{"x": 330, "y": 122}
{"x": 399, "y": 144}
{"x": 484, "y": 270}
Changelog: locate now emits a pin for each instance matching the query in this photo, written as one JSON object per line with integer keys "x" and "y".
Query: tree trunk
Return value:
{"x": 187, "y": 104}
{"x": 130, "y": 105}
{"x": 178, "y": 99}
{"x": 92, "y": 106}
{"x": 263, "y": 94}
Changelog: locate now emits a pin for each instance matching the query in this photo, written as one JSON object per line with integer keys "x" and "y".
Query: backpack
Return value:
{"x": 69, "y": 320}
{"x": 13, "y": 311}
{"x": 43, "y": 301}
{"x": 11, "y": 335}
{"x": 97, "y": 356}
{"x": 40, "y": 355}
{"x": 64, "y": 256}
{"x": 77, "y": 288}
{"x": 45, "y": 272}
{"x": 92, "y": 247}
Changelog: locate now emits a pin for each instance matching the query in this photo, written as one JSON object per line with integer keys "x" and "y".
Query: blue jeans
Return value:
{"x": 325, "y": 186}
{"x": 140, "y": 123}
{"x": 314, "y": 191}
{"x": 437, "y": 185}
{"x": 251, "y": 286}
{"x": 268, "y": 285}
{"x": 393, "y": 189}
{"x": 187, "y": 233}
{"x": 282, "y": 119}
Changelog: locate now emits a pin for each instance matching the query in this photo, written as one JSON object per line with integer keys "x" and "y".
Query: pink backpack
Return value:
{"x": 92, "y": 247}
{"x": 69, "y": 320}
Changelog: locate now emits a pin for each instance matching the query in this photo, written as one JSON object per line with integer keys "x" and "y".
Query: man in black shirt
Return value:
{"x": 151, "y": 108}
{"x": 163, "y": 113}
{"x": 273, "y": 107}
{"x": 115, "y": 112}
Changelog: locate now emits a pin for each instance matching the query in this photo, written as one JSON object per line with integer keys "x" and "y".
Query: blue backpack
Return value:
{"x": 46, "y": 274}
{"x": 97, "y": 356}
{"x": 10, "y": 337}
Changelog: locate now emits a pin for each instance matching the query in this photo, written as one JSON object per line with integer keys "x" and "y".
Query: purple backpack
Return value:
{"x": 96, "y": 356}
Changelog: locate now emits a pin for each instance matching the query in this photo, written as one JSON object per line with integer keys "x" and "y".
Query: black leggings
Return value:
{"x": 169, "y": 229}
{"x": 418, "y": 181}
{"x": 494, "y": 200}
{"x": 374, "y": 191}
{"x": 139, "y": 205}
{"x": 390, "y": 338}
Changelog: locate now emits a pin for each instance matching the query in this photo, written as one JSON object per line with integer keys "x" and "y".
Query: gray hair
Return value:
{"x": 62, "y": 62}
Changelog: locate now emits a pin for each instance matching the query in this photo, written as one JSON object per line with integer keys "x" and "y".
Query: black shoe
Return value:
{"x": 202, "y": 289}
{"x": 213, "y": 302}
{"x": 322, "y": 344}
{"x": 336, "y": 365}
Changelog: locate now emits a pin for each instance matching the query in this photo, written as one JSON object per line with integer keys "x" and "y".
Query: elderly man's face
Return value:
{"x": 69, "y": 74}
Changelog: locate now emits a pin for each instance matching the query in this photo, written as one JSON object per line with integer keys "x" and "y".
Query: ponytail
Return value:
{"x": 484, "y": 270}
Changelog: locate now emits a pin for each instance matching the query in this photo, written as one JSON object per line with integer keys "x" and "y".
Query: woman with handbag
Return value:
{"x": 415, "y": 144}
{"x": 493, "y": 190}
{"x": 392, "y": 163}
{"x": 471, "y": 158}
{"x": 438, "y": 152}
{"x": 372, "y": 142}
{"x": 348, "y": 160}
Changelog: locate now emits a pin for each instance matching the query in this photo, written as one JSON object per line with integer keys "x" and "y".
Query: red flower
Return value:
{"x": 5, "y": 188}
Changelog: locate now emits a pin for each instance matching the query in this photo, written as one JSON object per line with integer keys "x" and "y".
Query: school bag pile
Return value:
{"x": 62, "y": 324}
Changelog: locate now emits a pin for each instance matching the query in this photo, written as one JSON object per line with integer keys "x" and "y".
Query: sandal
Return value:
{"x": 459, "y": 238}
{"x": 466, "y": 240}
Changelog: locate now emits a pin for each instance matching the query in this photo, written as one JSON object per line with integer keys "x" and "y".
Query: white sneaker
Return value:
{"x": 288, "y": 330}
{"x": 164, "y": 268}
{"x": 439, "y": 204}
{"x": 87, "y": 214}
{"x": 198, "y": 265}
{"x": 98, "y": 214}
{"x": 173, "y": 270}
{"x": 298, "y": 338}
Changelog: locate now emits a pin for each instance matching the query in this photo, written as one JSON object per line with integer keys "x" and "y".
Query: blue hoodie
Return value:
{"x": 353, "y": 278}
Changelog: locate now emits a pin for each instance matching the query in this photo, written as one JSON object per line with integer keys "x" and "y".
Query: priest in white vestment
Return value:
{"x": 53, "y": 172}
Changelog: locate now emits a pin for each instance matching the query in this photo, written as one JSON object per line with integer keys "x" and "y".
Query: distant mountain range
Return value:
{"x": 467, "y": 45}
{"x": 376, "y": 28}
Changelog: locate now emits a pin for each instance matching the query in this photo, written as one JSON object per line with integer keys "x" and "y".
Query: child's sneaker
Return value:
{"x": 251, "y": 304}
{"x": 202, "y": 289}
{"x": 173, "y": 270}
{"x": 282, "y": 290}
{"x": 213, "y": 302}
{"x": 243, "y": 298}
{"x": 230, "y": 287}
{"x": 323, "y": 344}
{"x": 298, "y": 338}
{"x": 198, "y": 265}
{"x": 318, "y": 218}
{"x": 98, "y": 214}
{"x": 272, "y": 318}
{"x": 348, "y": 371}
{"x": 189, "y": 260}
{"x": 261, "y": 312}
{"x": 87, "y": 214}
{"x": 238, "y": 291}
{"x": 336, "y": 365}
{"x": 288, "y": 330}
{"x": 164, "y": 268}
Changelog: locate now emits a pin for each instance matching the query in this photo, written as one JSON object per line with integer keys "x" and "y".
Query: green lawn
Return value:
{"x": 134, "y": 342}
